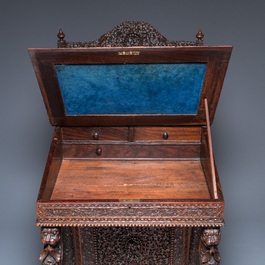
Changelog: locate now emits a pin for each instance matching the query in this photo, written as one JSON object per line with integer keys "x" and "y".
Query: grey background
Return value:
{"x": 238, "y": 129}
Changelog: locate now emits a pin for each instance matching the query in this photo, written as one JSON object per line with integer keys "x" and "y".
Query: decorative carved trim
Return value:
{"x": 195, "y": 239}
{"x": 209, "y": 254}
{"x": 186, "y": 245}
{"x": 68, "y": 243}
{"x": 118, "y": 214}
{"x": 129, "y": 34}
{"x": 52, "y": 253}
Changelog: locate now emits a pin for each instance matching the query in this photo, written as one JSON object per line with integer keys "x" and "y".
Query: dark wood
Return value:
{"x": 174, "y": 134}
{"x": 209, "y": 139}
{"x": 137, "y": 245}
{"x": 44, "y": 61}
{"x": 72, "y": 134}
{"x": 205, "y": 161}
{"x": 129, "y": 34}
{"x": 132, "y": 150}
{"x": 52, "y": 167}
{"x": 209, "y": 254}
{"x": 199, "y": 36}
{"x": 52, "y": 253}
{"x": 131, "y": 188}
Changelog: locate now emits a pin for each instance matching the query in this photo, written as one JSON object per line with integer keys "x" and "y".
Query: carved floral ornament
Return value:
{"x": 129, "y": 34}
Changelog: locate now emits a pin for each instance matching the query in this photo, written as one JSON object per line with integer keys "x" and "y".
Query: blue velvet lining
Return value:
{"x": 131, "y": 88}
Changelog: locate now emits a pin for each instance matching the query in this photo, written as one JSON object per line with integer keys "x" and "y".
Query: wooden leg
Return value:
{"x": 51, "y": 238}
{"x": 209, "y": 254}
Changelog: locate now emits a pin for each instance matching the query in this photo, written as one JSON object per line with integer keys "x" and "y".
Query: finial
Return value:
{"x": 200, "y": 36}
{"x": 61, "y": 35}
{"x": 61, "y": 41}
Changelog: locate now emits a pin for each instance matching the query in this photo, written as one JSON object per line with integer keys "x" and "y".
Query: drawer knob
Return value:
{"x": 165, "y": 136}
{"x": 98, "y": 151}
{"x": 96, "y": 136}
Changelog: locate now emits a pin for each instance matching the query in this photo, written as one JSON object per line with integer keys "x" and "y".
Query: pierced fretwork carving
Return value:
{"x": 209, "y": 253}
{"x": 135, "y": 245}
{"x": 51, "y": 238}
{"x": 129, "y": 34}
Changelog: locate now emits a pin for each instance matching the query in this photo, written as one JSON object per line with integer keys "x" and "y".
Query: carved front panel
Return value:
{"x": 131, "y": 246}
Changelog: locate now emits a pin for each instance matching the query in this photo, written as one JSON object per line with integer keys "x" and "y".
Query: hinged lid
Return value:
{"x": 131, "y": 76}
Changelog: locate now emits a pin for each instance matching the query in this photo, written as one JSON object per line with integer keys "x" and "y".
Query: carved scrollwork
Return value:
{"x": 129, "y": 34}
{"x": 50, "y": 237}
{"x": 209, "y": 253}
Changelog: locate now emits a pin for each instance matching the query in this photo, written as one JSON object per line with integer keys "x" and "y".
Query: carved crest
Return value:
{"x": 129, "y": 34}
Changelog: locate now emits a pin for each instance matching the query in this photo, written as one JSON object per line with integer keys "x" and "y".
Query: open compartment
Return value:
{"x": 129, "y": 170}
{"x": 132, "y": 137}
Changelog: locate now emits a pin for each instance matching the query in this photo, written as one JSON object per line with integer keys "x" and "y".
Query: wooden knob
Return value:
{"x": 96, "y": 136}
{"x": 165, "y": 136}
{"x": 99, "y": 151}
{"x": 200, "y": 36}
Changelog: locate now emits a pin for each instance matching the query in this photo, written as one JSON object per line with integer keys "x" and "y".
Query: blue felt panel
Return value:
{"x": 131, "y": 88}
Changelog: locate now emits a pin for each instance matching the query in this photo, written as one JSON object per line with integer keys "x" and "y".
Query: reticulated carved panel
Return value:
{"x": 130, "y": 34}
{"x": 136, "y": 245}
{"x": 68, "y": 246}
{"x": 194, "y": 245}
{"x": 131, "y": 245}
{"x": 177, "y": 254}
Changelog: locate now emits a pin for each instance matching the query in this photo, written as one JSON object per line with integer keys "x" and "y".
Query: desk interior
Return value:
{"x": 83, "y": 179}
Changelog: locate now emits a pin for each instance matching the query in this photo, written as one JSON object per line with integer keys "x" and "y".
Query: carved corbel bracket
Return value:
{"x": 51, "y": 238}
{"x": 209, "y": 254}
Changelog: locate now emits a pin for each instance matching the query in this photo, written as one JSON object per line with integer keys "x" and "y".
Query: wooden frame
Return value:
{"x": 64, "y": 148}
{"x": 45, "y": 61}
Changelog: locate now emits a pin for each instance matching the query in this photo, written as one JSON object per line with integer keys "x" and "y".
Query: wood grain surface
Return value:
{"x": 86, "y": 179}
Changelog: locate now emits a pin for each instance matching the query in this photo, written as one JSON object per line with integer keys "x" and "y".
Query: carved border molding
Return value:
{"x": 129, "y": 34}
{"x": 119, "y": 214}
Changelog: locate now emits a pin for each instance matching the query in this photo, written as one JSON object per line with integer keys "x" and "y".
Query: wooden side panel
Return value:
{"x": 205, "y": 161}
{"x": 52, "y": 167}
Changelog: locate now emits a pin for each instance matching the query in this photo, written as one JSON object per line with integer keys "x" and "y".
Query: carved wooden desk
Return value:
{"x": 130, "y": 177}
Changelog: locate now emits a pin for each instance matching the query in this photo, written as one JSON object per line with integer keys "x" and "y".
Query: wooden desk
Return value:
{"x": 131, "y": 177}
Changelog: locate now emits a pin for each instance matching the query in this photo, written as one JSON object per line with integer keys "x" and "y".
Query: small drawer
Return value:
{"x": 123, "y": 151}
{"x": 95, "y": 133}
{"x": 164, "y": 134}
